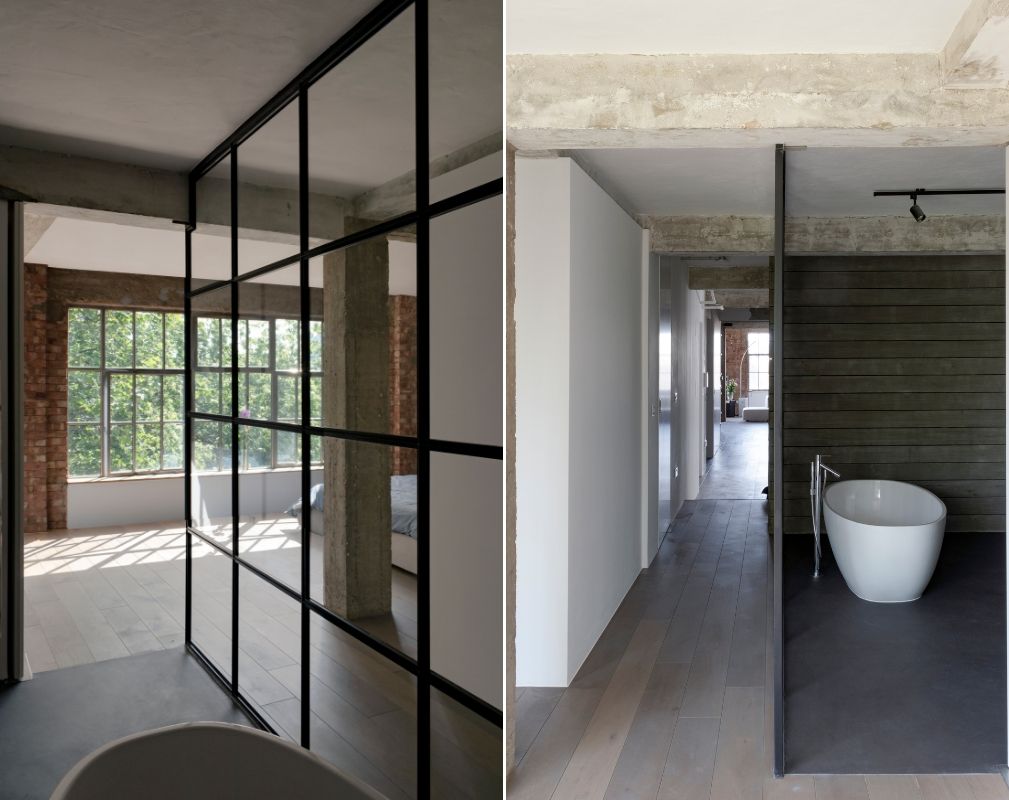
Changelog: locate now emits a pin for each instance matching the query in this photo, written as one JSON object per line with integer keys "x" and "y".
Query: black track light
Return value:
{"x": 916, "y": 212}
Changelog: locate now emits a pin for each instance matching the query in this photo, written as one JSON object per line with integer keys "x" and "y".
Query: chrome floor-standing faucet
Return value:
{"x": 817, "y": 480}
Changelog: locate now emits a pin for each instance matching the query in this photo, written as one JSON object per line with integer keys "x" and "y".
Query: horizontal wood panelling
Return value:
{"x": 889, "y": 297}
{"x": 891, "y": 349}
{"x": 931, "y": 365}
{"x": 943, "y": 263}
{"x": 892, "y": 314}
{"x": 901, "y": 281}
{"x": 818, "y": 438}
{"x": 895, "y": 471}
{"x": 947, "y": 418}
{"x": 833, "y": 384}
{"x": 902, "y": 332}
{"x": 876, "y": 401}
{"x": 895, "y": 369}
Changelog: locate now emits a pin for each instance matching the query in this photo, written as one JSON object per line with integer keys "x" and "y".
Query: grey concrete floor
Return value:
{"x": 738, "y": 470}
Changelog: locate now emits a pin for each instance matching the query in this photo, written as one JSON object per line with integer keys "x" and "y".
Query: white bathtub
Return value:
{"x": 207, "y": 761}
{"x": 885, "y": 536}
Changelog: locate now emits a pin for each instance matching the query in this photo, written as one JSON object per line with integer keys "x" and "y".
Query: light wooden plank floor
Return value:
{"x": 99, "y": 594}
{"x": 674, "y": 702}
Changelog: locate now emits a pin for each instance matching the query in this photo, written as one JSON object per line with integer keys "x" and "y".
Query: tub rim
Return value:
{"x": 942, "y": 505}
{"x": 67, "y": 781}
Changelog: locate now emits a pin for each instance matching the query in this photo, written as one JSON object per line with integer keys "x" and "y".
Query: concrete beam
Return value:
{"x": 743, "y": 298}
{"x": 728, "y": 278}
{"x": 34, "y": 226}
{"x": 938, "y": 234}
{"x": 399, "y": 195}
{"x": 590, "y": 101}
{"x": 977, "y": 53}
{"x": 107, "y": 187}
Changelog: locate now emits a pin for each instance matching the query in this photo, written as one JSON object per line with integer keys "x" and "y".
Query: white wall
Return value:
{"x": 100, "y": 503}
{"x": 467, "y": 390}
{"x": 579, "y": 405}
{"x": 542, "y": 352}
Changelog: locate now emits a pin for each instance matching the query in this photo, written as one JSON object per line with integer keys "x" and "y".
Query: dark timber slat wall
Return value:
{"x": 894, "y": 367}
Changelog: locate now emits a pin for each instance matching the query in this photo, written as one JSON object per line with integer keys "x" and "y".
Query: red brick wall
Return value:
{"x": 403, "y": 378}
{"x": 735, "y": 346}
{"x": 36, "y": 400}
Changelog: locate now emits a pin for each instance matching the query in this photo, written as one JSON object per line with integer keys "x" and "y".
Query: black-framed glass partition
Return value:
{"x": 344, "y": 440}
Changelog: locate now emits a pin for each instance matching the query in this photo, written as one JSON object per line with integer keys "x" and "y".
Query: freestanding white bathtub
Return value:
{"x": 885, "y": 536}
{"x": 207, "y": 761}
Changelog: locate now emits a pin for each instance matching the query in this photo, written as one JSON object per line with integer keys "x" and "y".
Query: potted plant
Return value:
{"x": 730, "y": 394}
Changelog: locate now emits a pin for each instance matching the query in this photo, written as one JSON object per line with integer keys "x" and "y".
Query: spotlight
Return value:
{"x": 916, "y": 212}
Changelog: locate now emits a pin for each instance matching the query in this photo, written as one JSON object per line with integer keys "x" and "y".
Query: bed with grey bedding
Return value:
{"x": 403, "y": 499}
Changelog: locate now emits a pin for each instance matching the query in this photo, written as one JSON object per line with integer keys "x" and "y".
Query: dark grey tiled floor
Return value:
{"x": 738, "y": 470}
{"x": 48, "y": 724}
{"x": 910, "y": 687}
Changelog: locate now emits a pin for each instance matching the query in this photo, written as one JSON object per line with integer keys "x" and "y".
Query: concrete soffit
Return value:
{"x": 956, "y": 97}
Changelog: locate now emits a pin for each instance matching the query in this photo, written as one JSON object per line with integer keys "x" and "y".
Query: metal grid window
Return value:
{"x": 125, "y": 396}
{"x": 227, "y": 157}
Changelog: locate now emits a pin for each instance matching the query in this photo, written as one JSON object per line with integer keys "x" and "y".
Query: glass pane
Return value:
{"x": 211, "y": 587}
{"x": 288, "y": 398}
{"x": 121, "y": 448}
{"x": 268, "y": 221}
{"x": 209, "y": 335}
{"x": 269, "y": 531}
{"x": 119, "y": 339}
{"x": 269, "y": 654}
{"x": 365, "y": 297}
{"x": 84, "y": 341}
{"x": 211, "y": 480}
{"x": 255, "y": 402}
{"x": 288, "y": 351}
{"x": 465, "y": 95}
{"x": 84, "y": 396}
{"x": 466, "y": 535}
{"x": 361, "y": 134}
{"x": 150, "y": 340}
{"x": 148, "y": 397}
{"x": 173, "y": 433}
{"x": 287, "y": 449}
{"x": 174, "y": 397}
{"x": 364, "y": 712}
{"x": 212, "y": 392}
{"x": 364, "y": 547}
{"x": 465, "y": 751}
{"x": 84, "y": 450}
{"x": 254, "y": 346}
{"x": 315, "y": 342}
{"x": 256, "y": 447}
{"x": 466, "y": 328}
{"x": 121, "y": 398}
{"x": 211, "y": 240}
{"x": 175, "y": 342}
{"x": 148, "y": 447}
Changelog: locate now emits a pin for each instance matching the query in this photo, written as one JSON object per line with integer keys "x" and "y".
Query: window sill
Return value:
{"x": 181, "y": 475}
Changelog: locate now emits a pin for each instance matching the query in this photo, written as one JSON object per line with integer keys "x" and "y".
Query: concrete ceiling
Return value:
{"x": 822, "y": 182}
{"x": 160, "y": 84}
{"x": 731, "y": 26}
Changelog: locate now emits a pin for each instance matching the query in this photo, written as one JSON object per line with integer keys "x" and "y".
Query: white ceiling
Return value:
{"x": 821, "y": 182}
{"x": 110, "y": 247}
{"x": 731, "y": 26}
{"x": 161, "y": 84}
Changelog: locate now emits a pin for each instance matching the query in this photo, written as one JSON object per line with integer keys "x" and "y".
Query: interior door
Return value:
{"x": 11, "y": 430}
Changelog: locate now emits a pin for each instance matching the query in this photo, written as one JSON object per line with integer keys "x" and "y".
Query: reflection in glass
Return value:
{"x": 211, "y": 588}
{"x": 363, "y": 519}
{"x": 211, "y": 239}
{"x": 465, "y": 751}
{"x": 269, "y": 652}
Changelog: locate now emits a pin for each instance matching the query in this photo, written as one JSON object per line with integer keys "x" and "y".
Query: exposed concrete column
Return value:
{"x": 357, "y": 548}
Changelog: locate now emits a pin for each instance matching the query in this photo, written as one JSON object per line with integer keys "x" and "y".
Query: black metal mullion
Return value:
{"x": 305, "y": 421}
{"x": 423, "y": 197}
{"x": 234, "y": 416}
{"x": 187, "y": 421}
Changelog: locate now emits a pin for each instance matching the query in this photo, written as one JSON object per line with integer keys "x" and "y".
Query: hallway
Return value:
{"x": 738, "y": 469}
{"x": 673, "y": 703}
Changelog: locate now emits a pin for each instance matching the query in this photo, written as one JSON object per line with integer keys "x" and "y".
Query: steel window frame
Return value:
{"x": 296, "y": 91}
